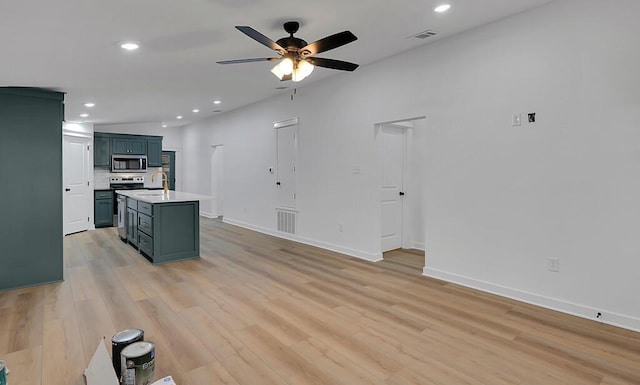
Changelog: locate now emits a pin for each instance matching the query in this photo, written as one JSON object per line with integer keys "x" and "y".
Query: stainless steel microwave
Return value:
{"x": 128, "y": 163}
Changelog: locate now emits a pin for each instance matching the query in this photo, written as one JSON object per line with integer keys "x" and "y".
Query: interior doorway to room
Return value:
{"x": 169, "y": 167}
{"x": 75, "y": 175}
{"x": 400, "y": 159}
{"x": 217, "y": 180}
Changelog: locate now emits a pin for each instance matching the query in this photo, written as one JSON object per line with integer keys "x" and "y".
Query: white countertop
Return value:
{"x": 157, "y": 196}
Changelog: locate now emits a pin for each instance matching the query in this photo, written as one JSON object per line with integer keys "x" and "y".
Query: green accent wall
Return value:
{"x": 31, "y": 239}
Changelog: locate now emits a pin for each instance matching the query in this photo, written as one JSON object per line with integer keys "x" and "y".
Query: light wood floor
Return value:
{"x": 257, "y": 310}
{"x": 408, "y": 261}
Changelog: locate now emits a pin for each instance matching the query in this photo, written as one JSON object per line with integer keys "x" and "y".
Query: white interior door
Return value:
{"x": 75, "y": 175}
{"x": 391, "y": 157}
{"x": 286, "y": 166}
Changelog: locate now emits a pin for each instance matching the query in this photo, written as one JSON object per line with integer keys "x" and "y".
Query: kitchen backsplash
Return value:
{"x": 101, "y": 178}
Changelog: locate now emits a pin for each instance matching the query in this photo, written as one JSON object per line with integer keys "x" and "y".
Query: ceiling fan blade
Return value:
{"x": 260, "y": 38}
{"x": 237, "y": 61}
{"x": 330, "y": 42}
{"x": 332, "y": 63}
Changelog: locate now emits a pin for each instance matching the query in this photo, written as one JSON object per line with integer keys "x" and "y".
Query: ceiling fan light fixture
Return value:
{"x": 285, "y": 67}
{"x": 302, "y": 70}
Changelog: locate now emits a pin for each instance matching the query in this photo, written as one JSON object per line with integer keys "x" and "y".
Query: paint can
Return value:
{"x": 3, "y": 373}
{"x": 119, "y": 341}
{"x": 138, "y": 363}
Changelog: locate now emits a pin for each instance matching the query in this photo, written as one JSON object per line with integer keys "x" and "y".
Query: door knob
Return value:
{"x": 67, "y": 189}
{"x": 277, "y": 183}
{"x": 401, "y": 193}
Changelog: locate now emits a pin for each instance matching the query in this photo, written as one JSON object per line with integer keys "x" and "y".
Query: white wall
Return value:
{"x": 498, "y": 200}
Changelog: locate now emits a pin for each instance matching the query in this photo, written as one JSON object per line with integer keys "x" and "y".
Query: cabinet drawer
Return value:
{"x": 145, "y": 224}
{"x": 145, "y": 243}
{"x": 103, "y": 194}
{"x": 132, "y": 204}
{"x": 145, "y": 208}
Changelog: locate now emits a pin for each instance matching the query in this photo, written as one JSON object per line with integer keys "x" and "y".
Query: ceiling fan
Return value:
{"x": 297, "y": 58}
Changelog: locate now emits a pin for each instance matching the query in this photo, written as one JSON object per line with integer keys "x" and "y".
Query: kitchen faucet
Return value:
{"x": 165, "y": 178}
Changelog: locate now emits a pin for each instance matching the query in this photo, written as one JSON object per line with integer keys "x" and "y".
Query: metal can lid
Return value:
{"x": 126, "y": 335}
{"x": 137, "y": 349}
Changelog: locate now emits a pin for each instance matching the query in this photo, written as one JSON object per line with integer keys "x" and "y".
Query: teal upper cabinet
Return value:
{"x": 106, "y": 144}
{"x": 101, "y": 150}
{"x": 133, "y": 145}
{"x": 154, "y": 152}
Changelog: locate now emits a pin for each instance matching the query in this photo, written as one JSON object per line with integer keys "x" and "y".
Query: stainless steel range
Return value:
{"x": 124, "y": 183}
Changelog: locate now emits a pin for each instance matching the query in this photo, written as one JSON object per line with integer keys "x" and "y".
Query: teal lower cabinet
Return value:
{"x": 164, "y": 232}
{"x": 132, "y": 221}
{"x": 103, "y": 208}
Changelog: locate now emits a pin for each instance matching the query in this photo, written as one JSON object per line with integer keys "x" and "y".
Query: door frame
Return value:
{"x": 296, "y": 188}
{"x": 407, "y": 179}
{"x": 88, "y": 177}
{"x": 216, "y": 162}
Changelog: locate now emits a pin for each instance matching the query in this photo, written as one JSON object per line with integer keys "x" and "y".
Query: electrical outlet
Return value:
{"x": 553, "y": 264}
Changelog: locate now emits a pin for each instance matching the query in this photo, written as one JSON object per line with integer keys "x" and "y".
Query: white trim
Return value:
{"x": 371, "y": 257}
{"x": 285, "y": 123}
{"x": 207, "y": 214}
{"x": 418, "y": 246}
{"x": 582, "y": 311}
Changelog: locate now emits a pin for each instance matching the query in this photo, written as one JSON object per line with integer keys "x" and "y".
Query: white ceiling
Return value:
{"x": 73, "y": 46}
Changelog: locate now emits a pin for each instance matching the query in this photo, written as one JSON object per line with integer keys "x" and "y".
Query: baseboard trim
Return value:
{"x": 582, "y": 311}
{"x": 371, "y": 257}
{"x": 208, "y": 215}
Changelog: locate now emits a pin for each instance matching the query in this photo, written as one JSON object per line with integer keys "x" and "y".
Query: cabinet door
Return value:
{"x": 103, "y": 212}
{"x": 101, "y": 151}
{"x": 120, "y": 146}
{"x": 154, "y": 152}
{"x": 132, "y": 226}
{"x": 137, "y": 146}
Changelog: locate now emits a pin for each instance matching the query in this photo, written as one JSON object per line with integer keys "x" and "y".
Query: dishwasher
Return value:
{"x": 123, "y": 183}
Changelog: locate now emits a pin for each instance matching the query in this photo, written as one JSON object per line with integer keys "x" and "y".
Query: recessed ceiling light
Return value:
{"x": 217, "y": 102}
{"x": 89, "y": 105}
{"x": 130, "y": 46}
{"x": 442, "y": 8}
{"x": 84, "y": 115}
{"x": 195, "y": 111}
{"x": 164, "y": 126}
{"x": 179, "y": 117}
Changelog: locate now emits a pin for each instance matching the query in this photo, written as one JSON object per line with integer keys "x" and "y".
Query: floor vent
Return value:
{"x": 286, "y": 221}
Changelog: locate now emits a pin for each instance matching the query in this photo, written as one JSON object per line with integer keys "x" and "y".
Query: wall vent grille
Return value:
{"x": 425, "y": 34}
{"x": 286, "y": 221}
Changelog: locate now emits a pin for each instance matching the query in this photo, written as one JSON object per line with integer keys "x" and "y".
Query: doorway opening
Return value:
{"x": 217, "y": 180}
{"x": 400, "y": 155}
{"x": 77, "y": 193}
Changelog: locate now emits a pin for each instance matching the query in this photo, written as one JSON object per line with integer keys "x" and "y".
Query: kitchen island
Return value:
{"x": 162, "y": 227}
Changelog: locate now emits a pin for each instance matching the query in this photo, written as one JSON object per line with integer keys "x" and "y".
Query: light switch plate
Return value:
{"x": 516, "y": 120}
